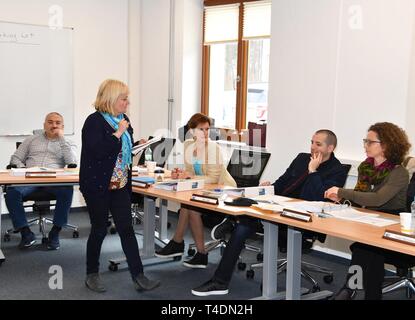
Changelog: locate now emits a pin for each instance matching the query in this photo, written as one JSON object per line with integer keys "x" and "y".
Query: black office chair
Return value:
{"x": 308, "y": 240}
{"x": 404, "y": 274}
{"x": 41, "y": 207}
{"x": 246, "y": 168}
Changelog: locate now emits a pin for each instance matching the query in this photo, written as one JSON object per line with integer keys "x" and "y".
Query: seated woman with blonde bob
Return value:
{"x": 382, "y": 185}
{"x": 202, "y": 160}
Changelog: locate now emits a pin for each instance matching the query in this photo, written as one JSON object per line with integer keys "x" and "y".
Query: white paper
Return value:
{"x": 269, "y": 207}
{"x": 143, "y": 146}
{"x": 377, "y": 221}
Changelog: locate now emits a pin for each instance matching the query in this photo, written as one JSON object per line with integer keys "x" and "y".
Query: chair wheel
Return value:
{"x": 250, "y": 274}
{"x": 75, "y": 234}
{"x": 1, "y": 262}
{"x": 315, "y": 289}
{"x": 260, "y": 257}
{"x": 191, "y": 252}
{"x": 6, "y": 238}
{"x": 241, "y": 266}
{"x": 113, "y": 230}
{"x": 113, "y": 267}
{"x": 177, "y": 258}
{"x": 328, "y": 278}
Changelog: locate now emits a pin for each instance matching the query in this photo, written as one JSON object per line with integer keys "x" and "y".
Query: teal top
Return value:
{"x": 197, "y": 166}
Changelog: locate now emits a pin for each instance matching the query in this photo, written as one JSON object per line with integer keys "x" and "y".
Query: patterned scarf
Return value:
{"x": 127, "y": 145}
{"x": 371, "y": 175}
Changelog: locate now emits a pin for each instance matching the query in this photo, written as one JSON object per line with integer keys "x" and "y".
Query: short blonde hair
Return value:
{"x": 108, "y": 93}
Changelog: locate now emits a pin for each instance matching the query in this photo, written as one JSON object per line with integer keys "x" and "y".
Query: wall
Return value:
{"x": 185, "y": 63}
{"x": 340, "y": 65}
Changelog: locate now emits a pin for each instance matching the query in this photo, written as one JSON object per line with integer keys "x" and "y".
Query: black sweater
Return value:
{"x": 100, "y": 149}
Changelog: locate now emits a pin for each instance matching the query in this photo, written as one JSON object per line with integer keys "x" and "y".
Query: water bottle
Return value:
{"x": 413, "y": 207}
{"x": 148, "y": 154}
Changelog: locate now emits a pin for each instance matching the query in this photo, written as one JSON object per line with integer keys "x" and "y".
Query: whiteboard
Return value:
{"x": 36, "y": 77}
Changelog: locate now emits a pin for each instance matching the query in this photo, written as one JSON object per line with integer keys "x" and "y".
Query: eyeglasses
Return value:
{"x": 370, "y": 142}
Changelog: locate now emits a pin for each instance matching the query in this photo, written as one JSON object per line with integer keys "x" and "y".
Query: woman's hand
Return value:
{"x": 265, "y": 184}
{"x": 332, "y": 194}
{"x": 142, "y": 141}
{"x": 180, "y": 174}
{"x": 122, "y": 126}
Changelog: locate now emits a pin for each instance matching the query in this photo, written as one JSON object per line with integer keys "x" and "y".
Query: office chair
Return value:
{"x": 246, "y": 167}
{"x": 41, "y": 206}
{"x": 161, "y": 151}
{"x": 404, "y": 274}
{"x": 308, "y": 240}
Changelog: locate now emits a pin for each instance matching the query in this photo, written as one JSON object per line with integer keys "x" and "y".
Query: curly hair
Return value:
{"x": 393, "y": 139}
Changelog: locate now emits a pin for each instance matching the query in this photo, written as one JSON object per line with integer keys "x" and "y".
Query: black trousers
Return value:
{"x": 372, "y": 261}
{"x": 119, "y": 203}
{"x": 245, "y": 228}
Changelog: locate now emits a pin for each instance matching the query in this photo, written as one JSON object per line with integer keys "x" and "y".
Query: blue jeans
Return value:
{"x": 14, "y": 202}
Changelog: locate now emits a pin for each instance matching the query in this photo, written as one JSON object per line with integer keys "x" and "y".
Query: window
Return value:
{"x": 236, "y": 53}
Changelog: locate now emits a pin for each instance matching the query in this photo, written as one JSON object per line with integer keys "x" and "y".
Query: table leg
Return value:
{"x": 2, "y": 257}
{"x": 149, "y": 227}
{"x": 269, "y": 277}
{"x": 294, "y": 243}
{"x": 163, "y": 214}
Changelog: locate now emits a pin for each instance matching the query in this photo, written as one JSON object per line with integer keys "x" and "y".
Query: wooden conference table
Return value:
{"x": 7, "y": 180}
{"x": 339, "y": 228}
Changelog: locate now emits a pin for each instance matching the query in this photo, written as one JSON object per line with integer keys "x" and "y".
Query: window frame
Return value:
{"x": 242, "y": 68}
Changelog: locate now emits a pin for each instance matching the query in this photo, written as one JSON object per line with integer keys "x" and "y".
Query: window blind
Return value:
{"x": 257, "y": 19}
{"x": 221, "y": 23}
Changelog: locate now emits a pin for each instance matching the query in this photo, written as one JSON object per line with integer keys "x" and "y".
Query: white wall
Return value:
{"x": 327, "y": 72}
{"x": 186, "y": 63}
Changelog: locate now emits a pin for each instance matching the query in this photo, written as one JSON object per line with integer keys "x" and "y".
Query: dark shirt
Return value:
{"x": 296, "y": 182}
{"x": 100, "y": 149}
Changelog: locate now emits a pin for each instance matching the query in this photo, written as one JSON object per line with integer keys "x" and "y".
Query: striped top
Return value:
{"x": 39, "y": 151}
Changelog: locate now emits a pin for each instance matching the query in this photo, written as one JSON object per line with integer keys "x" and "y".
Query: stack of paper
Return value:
{"x": 180, "y": 185}
{"x": 142, "y": 182}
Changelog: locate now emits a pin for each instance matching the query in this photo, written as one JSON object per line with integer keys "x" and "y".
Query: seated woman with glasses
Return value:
{"x": 202, "y": 159}
{"x": 382, "y": 185}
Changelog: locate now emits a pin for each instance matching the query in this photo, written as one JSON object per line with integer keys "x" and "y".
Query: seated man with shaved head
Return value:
{"x": 48, "y": 149}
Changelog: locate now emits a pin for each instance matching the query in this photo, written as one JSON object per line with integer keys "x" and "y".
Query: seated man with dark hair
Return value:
{"x": 49, "y": 149}
{"x": 307, "y": 178}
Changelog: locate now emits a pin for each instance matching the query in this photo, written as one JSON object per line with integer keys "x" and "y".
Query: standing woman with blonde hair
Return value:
{"x": 105, "y": 181}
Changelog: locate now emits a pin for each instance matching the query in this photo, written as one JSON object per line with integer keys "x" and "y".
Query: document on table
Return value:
{"x": 235, "y": 209}
{"x": 342, "y": 211}
{"x": 143, "y": 146}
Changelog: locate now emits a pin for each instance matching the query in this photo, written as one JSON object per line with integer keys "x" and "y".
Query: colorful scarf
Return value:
{"x": 371, "y": 175}
{"x": 127, "y": 144}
